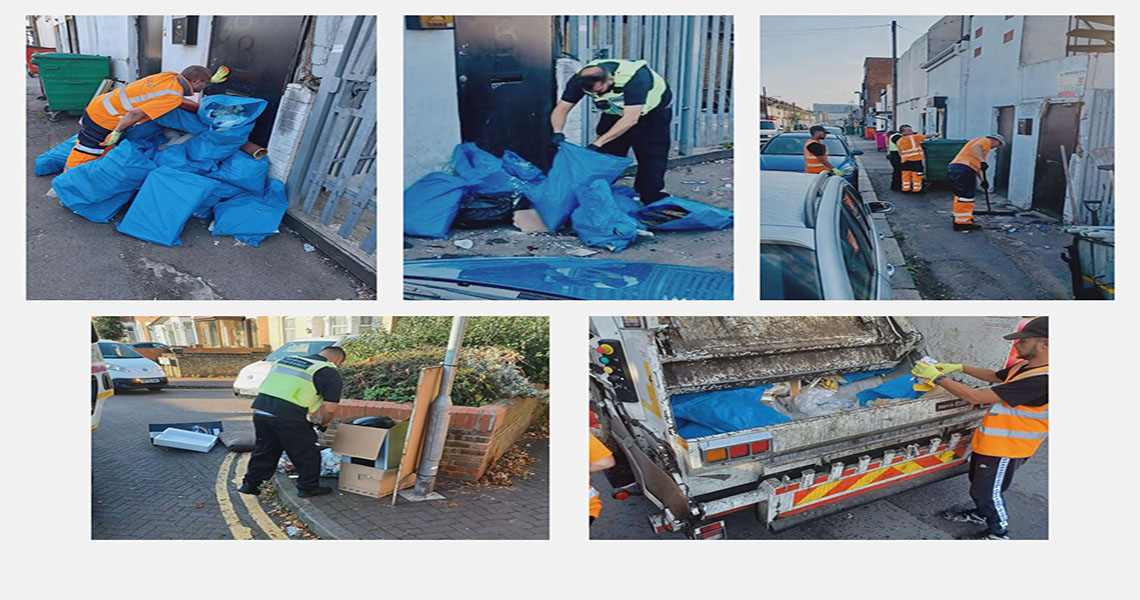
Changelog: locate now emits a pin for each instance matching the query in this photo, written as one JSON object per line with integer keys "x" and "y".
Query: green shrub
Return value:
{"x": 528, "y": 336}
{"x": 484, "y": 375}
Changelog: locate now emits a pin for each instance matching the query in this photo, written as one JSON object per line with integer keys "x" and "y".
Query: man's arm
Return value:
{"x": 629, "y": 117}
{"x": 558, "y": 115}
{"x": 133, "y": 116}
{"x": 188, "y": 104}
{"x": 980, "y": 373}
{"x": 967, "y": 393}
{"x": 822, "y": 154}
{"x": 328, "y": 412}
{"x": 602, "y": 464}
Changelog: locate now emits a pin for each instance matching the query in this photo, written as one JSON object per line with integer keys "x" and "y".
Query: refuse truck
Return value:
{"x": 799, "y": 427}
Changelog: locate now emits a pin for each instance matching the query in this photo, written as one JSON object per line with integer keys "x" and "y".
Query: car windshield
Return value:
{"x": 117, "y": 350}
{"x": 299, "y": 349}
{"x": 767, "y": 125}
{"x": 794, "y": 145}
{"x": 788, "y": 272}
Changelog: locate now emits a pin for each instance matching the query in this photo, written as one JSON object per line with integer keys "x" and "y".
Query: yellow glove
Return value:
{"x": 221, "y": 74}
{"x": 112, "y": 138}
{"x": 923, "y": 370}
{"x": 948, "y": 368}
{"x": 837, "y": 171}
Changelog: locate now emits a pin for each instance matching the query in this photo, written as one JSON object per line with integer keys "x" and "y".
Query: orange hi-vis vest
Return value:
{"x": 155, "y": 95}
{"x": 910, "y": 147}
{"x": 812, "y": 163}
{"x": 1013, "y": 431}
{"x": 974, "y": 153}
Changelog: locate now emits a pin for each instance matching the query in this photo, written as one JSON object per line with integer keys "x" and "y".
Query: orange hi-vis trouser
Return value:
{"x": 963, "y": 211}
{"x": 912, "y": 176}
{"x": 77, "y": 158}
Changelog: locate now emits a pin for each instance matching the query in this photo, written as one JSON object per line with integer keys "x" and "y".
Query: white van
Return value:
{"x": 251, "y": 375}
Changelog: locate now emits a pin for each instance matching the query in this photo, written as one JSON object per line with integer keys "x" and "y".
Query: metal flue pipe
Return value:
{"x": 439, "y": 413}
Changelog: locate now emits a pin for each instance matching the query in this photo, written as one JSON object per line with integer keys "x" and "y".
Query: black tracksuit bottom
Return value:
{"x": 896, "y": 171}
{"x": 295, "y": 436}
{"x": 650, "y": 141}
{"x": 990, "y": 477}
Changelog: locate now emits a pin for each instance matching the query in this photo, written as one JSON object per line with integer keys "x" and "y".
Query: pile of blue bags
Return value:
{"x": 578, "y": 190}
{"x": 721, "y": 411}
{"x": 204, "y": 177}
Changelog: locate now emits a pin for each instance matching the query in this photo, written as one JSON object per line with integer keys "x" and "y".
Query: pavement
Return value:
{"x": 909, "y": 515}
{"x": 1010, "y": 258}
{"x": 142, "y": 491}
{"x": 709, "y": 182}
{"x": 71, "y": 258}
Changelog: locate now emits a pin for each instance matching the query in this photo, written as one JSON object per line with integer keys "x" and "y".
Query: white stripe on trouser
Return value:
{"x": 999, "y": 505}
{"x": 87, "y": 150}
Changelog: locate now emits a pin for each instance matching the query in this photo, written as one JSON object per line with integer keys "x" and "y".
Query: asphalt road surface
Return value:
{"x": 910, "y": 515}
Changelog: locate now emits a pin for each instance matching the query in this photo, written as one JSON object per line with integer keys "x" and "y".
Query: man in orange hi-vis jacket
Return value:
{"x": 963, "y": 173}
{"x": 108, "y": 115}
{"x": 600, "y": 459}
{"x": 911, "y": 158}
{"x": 1015, "y": 425}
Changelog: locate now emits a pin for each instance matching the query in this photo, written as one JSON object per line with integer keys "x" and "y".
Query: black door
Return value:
{"x": 150, "y": 45}
{"x": 505, "y": 70}
{"x": 261, "y": 53}
{"x": 1005, "y": 128}
{"x": 1058, "y": 128}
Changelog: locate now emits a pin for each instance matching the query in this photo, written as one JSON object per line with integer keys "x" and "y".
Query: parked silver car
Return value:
{"x": 818, "y": 240}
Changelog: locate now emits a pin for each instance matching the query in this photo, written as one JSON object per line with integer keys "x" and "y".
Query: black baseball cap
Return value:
{"x": 1037, "y": 328}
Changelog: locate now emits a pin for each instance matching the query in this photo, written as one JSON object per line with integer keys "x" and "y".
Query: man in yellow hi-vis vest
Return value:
{"x": 636, "y": 112}
{"x": 296, "y": 387}
{"x": 1015, "y": 425}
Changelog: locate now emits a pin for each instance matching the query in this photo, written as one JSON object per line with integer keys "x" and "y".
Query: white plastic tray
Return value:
{"x": 185, "y": 440}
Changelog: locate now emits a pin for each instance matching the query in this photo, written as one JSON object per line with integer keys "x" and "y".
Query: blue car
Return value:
{"x": 785, "y": 152}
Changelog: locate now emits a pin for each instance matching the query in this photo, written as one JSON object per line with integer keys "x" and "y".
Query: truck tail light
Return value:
{"x": 713, "y": 531}
{"x": 716, "y": 455}
{"x": 761, "y": 446}
{"x": 738, "y": 450}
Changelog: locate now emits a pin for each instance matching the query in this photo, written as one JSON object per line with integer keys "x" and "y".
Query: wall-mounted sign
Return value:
{"x": 1071, "y": 84}
{"x": 429, "y": 22}
{"x": 1025, "y": 127}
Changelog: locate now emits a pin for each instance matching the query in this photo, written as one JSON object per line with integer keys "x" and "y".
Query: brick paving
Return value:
{"x": 142, "y": 491}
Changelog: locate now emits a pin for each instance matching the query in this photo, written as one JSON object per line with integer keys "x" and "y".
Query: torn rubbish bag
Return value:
{"x": 521, "y": 168}
{"x": 430, "y": 205}
{"x": 230, "y": 119}
{"x": 164, "y": 204}
{"x": 53, "y": 161}
{"x": 598, "y": 220}
{"x": 626, "y": 198}
{"x": 682, "y": 214}
{"x": 483, "y": 170}
{"x": 574, "y": 167}
{"x": 252, "y": 217}
{"x": 97, "y": 189}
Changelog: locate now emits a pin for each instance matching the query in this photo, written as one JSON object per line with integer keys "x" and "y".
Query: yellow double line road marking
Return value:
{"x": 237, "y": 530}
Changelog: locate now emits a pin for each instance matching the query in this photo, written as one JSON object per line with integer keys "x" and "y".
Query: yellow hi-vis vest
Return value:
{"x": 613, "y": 101}
{"x": 1013, "y": 431}
{"x": 291, "y": 379}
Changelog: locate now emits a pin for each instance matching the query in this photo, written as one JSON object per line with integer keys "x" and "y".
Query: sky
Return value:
{"x": 831, "y": 50}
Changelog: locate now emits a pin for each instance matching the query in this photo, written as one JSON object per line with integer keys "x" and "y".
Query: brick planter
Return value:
{"x": 476, "y": 437}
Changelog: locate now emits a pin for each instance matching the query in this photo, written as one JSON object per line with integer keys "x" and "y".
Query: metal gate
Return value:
{"x": 693, "y": 54}
{"x": 1095, "y": 191}
{"x": 332, "y": 186}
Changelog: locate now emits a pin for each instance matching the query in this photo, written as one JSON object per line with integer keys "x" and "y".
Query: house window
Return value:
{"x": 340, "y": 325}
{"x": 1007, "y": 37}
{"x": 977, "y": 51}
{"x": 978, "y": 33}
{"x": 365, "y": 323}
{"x": 290, "y": 326}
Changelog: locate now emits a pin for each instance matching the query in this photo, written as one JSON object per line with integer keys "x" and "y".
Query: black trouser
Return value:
{"x": 896, "y": 173}
{"x": 990, "y": 477}
{"x": 650, "y": 141}
{"x": 295, "y": 436}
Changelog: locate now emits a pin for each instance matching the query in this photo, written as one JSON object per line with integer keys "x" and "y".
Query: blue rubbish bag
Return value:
{"x": 899, "y": 388}
{"x": 145, "y": 133}
{"x": 230, "y": 119}
{"x": 183, "y": 120}
{"x": 690, "y": 430}
{"x": 483, "y": 170}
{"x": 252, "y": 217}
{"x": 53, "y": 161}
{"x": 681, "y": 214}
{"x": 574, "y": 167}
{"x": 224, "y": 191}
{"x": 97, "y": 189}
{"x": 243, "y": 171}
{"x": 175, "y": 158}
{"x": 727, "y": 410}
{"x": 164, "y": 204}
{"x": 521, "y": 168}
{"x": 598, "y": 220}
{"x": 625, "y": 197}
{"x": 430, "y": 204}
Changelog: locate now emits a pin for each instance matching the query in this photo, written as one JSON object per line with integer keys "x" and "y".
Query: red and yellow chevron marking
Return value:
{"x": 863, "y": 482}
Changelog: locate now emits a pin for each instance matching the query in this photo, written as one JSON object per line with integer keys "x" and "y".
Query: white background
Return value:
{"x": 46, "y": 496}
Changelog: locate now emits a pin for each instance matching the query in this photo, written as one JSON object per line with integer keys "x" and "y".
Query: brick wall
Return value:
{"x": 207, "y": 362}
{"x": 476, "y": 437}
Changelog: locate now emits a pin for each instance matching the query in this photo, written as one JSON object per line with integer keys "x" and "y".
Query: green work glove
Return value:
{"x": 837, "y": 172}
{"x": 112, "y": 138}
{"x": 948, "y": 368}
{"x": 923, "y": 370}
{"x": 221, "y": 74}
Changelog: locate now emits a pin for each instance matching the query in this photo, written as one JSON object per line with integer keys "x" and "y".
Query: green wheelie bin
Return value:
{"x": 70, "y": 80}
{"x": 939, "y": 153}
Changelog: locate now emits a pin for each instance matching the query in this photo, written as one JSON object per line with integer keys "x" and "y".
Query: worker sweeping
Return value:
{"x": 1011, "y": 430}
{"x": 297, "y": 386}
{"x": 600, "y": 459}
{"x": 893, "y": 158}
{"x": 636, "y": 113}
{"x": 963, "y": 172}
{"x": 911, "y": 159}
{"x": 815, "y": 153}
{"x": 108, "y": 115}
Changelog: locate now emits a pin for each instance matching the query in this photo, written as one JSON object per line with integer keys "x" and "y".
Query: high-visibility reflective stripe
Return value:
{"x": 145, "y": 97}
{"x": 110, "y": 108}
{"x": 1017, "y": 435}
{"x": 124, "y": 100}
{"x": 1002, "y": 409}
{"x": 291, "y": 372}
{"x": 86, "y": 150}
{"x": 999, "y": 503}
{"x": 593, "y": 493}
{"x": 965, "y": 214}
